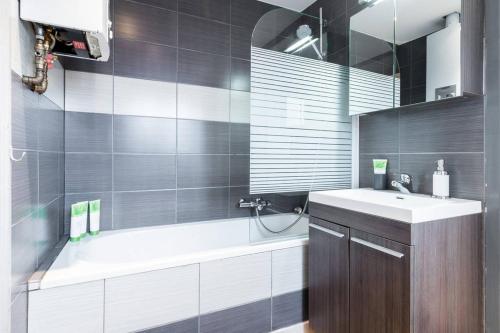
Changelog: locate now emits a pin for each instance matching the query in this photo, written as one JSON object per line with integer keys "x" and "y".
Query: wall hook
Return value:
{"x": 16, "y": 159}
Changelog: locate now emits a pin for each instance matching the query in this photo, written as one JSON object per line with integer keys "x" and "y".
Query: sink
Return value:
{"x": 410, "y": 208}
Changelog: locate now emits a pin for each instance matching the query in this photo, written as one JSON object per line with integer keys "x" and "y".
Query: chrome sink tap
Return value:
{"x": 402, "y": 185}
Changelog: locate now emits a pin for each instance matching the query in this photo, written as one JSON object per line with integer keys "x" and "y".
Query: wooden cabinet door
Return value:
{"x": 379, "y": 285}
{"x": 328, "y": 277}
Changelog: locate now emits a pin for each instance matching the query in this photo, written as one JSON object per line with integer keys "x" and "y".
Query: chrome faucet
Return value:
{"x": 258, "y": 203}
{"x": 403, "y": 184}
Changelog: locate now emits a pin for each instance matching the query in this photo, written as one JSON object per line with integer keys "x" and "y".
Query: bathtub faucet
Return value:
{"x": 257, "y": 203}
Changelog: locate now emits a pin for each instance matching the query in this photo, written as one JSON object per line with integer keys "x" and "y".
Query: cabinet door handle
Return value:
{"x": 328, "y": 231}
{"x": 393, "y": 253}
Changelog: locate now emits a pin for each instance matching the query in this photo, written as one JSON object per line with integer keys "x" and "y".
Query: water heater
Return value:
{"x": 80, "y": 28}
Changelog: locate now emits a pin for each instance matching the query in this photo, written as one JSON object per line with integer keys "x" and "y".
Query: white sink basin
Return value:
{"x": 410, "y": 208}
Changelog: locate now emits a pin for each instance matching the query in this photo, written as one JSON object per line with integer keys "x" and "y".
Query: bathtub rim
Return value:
{"x": 42, "y": 279}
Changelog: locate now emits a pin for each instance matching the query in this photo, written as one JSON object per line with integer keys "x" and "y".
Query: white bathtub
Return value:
{"x": 206, "y": 277}
{"x": 123, "y": 252}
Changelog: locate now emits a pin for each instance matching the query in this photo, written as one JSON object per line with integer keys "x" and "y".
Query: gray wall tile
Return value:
{"x": 166, "y": 4}
{"x": 254, "y": 317}
{"x": 204, "y": 69}
{"x": 144, "y": 172}
{"x": 88, "y": 172}
{"x": 240, "y": 138}
{"x": 185, "y": 326}
{"x": 47, "y": 230}
{"x": 202, "y": 204}
{"x": 142, "y": 209}
{"x": 217, "y": 10}
{"x": 366, "y": 168}
{"x": 240, "y": 74}
{"x": 106, "y": 220}
{"x": 145, "y": 23}
{"x": 241, "y": 42}
{"x": 203, "y": 171}
{"x": 23, "y": 254}
{"x": 161, "y": 64}
{"x": 203, "y": 137}
{"x": 451, "y": 127}
{"x": 290, "y": 309}
{"x": 378, "y": 133}
{"x": 144, "y": 135}
{"x": 203, "y": 35}
{"x": 416, "y": 136}
{"x": 51, "y": 127}
{"x": 49, "y": 174}
{"x": 24, "y": 185}
{"x": 88, "y": 132}
{"x": 246, "y": 13}
{"x": 466, "y": 173}
{"x": 235, "y": 194}
{"x": 24, "y": 116}
{"x": 240, "y": 170}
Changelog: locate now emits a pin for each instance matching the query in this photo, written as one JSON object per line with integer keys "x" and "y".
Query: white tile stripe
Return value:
{"x": 299, "y": 121}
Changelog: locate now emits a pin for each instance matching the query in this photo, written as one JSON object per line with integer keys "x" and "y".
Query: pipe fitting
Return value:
{"x": 39, "y": 82}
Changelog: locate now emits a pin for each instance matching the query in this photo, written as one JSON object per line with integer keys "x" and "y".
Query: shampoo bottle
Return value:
{"x": 75, "y": 232}
{"x": 440, "y": 182}
{"x": 83, "y": 218}
{"x": 95, "y": 216}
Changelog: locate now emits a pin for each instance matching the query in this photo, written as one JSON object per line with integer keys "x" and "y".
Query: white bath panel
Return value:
{"x": 141, "y": 301}
{"x": 289, "y": 270}
{"x": 234, "y": 281}
{"x": 76, "y": 308}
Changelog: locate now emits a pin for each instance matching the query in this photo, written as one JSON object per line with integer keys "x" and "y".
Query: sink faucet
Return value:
{"x": 403, "y": 184}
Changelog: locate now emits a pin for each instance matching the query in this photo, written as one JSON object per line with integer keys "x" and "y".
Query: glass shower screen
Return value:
{"x": 300, "y": 131}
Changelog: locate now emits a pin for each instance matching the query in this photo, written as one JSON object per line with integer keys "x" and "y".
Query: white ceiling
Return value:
{"x": 415, "y": 18}
{"x": 296, "y": 5}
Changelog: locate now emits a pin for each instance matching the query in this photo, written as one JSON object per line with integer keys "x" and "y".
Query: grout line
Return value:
{"x": 176, "y": 210}
{"x": 426, "y": 153}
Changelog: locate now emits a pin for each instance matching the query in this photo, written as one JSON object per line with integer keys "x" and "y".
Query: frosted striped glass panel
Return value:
{"x": 369, "y": 91}
{"x": 299, "y": 125}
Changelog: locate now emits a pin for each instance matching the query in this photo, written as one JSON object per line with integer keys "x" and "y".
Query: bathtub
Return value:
{"x": 200, "y": 277}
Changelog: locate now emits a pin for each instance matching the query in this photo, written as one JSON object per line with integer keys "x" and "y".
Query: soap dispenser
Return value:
{"x": 440, "y": 182}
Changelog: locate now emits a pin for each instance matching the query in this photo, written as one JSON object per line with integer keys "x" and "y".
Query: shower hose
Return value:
{"x": 288, "y": 227}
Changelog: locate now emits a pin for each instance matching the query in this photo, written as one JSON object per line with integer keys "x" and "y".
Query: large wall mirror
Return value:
{"x": 404, "y": 52}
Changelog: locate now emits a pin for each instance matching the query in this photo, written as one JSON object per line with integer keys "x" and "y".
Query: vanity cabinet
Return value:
{"x": 369, "y": 274}
{"x": 329, "y": 276}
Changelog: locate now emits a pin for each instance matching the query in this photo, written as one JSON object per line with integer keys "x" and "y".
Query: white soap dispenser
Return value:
{"x": 440, "y": 182}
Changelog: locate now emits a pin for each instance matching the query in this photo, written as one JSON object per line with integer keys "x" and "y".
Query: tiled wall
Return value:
{"x": 37, "y": 188}
{"x": 413, "y": 138}
{"x": 160, "y": 133}
{"x": 37, "y": 126}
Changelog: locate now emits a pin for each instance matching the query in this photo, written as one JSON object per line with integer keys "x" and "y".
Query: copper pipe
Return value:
{"x": 39, "y": 83}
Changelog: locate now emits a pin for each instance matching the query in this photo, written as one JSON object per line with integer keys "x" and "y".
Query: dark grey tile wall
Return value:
{"x": 37, "y": 189}
{"x": 413, "y": 138}
{"x": 151, "y": 171}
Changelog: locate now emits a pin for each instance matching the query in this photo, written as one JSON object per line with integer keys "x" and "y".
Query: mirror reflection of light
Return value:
{"x": 298, "y": 44}
{"x": 371, "y": 3}
{"x": 307, "y": 45}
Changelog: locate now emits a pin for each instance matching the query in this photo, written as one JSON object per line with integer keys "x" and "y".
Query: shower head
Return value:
{"x": 304, "y": 31}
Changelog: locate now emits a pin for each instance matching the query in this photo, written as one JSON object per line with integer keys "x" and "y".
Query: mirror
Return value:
{"x": 404, "y": 52}
{"x": 428, "y": 50}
